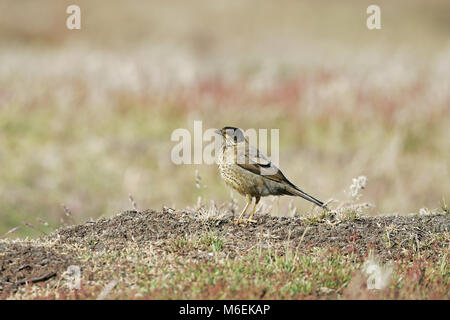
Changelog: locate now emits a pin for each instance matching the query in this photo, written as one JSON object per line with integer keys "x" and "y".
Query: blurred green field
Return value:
{"x": 86, "y": 115}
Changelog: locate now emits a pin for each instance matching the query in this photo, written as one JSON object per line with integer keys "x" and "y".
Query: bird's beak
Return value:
{"x": 218, "y": 132}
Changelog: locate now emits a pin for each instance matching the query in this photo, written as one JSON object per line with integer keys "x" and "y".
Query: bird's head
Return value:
{"x": 231, "y": 135}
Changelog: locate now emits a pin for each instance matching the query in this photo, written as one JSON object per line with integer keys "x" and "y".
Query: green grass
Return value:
{"x": 260, "y": 273}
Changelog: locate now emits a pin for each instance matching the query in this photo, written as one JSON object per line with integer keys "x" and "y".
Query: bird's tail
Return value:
{"x": 297, "y": 192}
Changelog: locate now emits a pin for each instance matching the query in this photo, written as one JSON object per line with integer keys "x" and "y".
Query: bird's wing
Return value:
{"x": 254, "y": 161}
{"x": 259, "y": 170}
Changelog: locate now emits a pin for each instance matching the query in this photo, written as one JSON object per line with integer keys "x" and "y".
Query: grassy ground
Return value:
{"x": 198, "y": 255}
{"x": 86, "y": 118}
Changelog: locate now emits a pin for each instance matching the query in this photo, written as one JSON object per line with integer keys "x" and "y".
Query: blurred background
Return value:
{"x": 86, "y": 115}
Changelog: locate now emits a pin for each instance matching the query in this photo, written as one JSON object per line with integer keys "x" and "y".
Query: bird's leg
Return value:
{"x": 253, "y": 211}
{"x": 238, "y": 220}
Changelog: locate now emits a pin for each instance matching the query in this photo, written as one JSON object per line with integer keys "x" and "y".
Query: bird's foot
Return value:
{"x": 246, "y": 221}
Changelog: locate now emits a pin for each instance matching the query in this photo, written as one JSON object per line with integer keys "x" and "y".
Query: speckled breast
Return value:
{"x": 243, "y": 181}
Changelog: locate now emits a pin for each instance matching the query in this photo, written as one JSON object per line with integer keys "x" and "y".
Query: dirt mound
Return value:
{"x": 28, "y": 262}
{"x": 389, "y": 236}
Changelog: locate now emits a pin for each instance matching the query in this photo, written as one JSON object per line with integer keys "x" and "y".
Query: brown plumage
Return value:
{"x": 250, "y": 173}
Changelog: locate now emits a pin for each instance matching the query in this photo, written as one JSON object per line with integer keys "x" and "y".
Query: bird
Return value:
{"x": 245, "y": 169}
